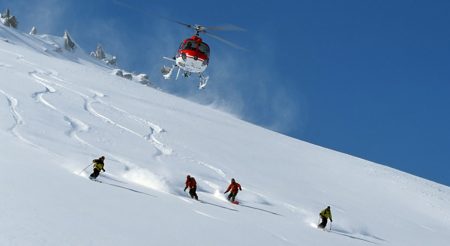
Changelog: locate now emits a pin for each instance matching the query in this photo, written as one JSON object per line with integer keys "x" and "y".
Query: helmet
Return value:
{"x": 232, "y": 180}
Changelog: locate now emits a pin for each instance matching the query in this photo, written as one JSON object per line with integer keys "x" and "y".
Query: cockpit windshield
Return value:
{"x": 193, "y": 45}
{"x": 189, "y": 45}
{"x": 204, "y": 48}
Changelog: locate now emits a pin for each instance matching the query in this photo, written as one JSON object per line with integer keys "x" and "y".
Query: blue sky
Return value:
{"x": 370, "y": 78}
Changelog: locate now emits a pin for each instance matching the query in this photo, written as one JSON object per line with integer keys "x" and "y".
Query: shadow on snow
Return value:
{"x": 260, "y": 209}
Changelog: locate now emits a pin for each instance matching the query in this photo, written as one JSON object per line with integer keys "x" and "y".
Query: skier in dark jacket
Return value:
{"x": 324, "y": 216}
{"x": 192, "y": 185}
{"x": 99, "y": 165}
{"x": 234, "y": 188}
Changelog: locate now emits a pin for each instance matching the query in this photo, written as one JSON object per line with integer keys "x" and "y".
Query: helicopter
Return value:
{"x": 193, "y": 54}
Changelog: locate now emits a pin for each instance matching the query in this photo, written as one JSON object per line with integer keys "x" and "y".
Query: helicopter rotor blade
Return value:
{"x": 197, "y": 28}
{"x": 225, "y": 41}
{"x": 126, "y": 5}
{"x": 179, "y": 22}
{"x": 226, "y": 27}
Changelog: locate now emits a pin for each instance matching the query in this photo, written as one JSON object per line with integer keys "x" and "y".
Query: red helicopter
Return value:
{"x": 193, "y": 54}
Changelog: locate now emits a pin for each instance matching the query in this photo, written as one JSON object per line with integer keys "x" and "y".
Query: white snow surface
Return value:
{"x": 60, "y": 110}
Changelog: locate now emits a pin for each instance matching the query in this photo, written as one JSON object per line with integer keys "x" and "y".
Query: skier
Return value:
{"x": 192, "y": 185}
{"x": 234, "y": 187}
{"x": 325, "y": 215}
{"x": 98, "y": 166}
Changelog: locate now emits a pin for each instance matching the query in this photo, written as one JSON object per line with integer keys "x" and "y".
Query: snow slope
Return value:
{"x": 59, "y": 110}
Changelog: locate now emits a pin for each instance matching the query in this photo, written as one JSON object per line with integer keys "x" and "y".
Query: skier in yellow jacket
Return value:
{"x": 98, "y": 166}
{"x": 325, "y": 215}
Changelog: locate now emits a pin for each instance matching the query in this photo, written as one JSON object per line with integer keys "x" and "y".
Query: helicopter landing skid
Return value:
{"x": 203, "y": 81}
{"x": 167, "y": 71}
{"x": 167, "y": 74}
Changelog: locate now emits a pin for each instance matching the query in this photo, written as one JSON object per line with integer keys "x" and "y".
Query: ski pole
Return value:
{"x": 331, "y": 223}
{"x": 85, "y": 168}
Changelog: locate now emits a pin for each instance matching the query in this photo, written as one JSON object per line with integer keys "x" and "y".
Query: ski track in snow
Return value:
{"x": 360, "y": 237}
{"x": 150, "y": 137}
{"x": 77, "y": 126}
{"x": 218, "y": 171}
{"x": 88, "y": 106}
{"x": 154, "y": 128}
{"x": 207, "y": 215}
{"x": 18, "y": 120}
{"x": 280, "y": 237}
{"x": 39, "y": 95}
{"x": 17, "y": 55}
{"x": 5, "y": 65}
{"x": 119, "y": 184}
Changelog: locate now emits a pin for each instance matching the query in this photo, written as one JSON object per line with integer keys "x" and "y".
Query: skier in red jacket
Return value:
{"x": 192, "y": 185}
{"x": 234, "y": 188}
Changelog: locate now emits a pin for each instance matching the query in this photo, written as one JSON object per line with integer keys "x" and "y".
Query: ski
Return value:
{"x": 96, "y": 180}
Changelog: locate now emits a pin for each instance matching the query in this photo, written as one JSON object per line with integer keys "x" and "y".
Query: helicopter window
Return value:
{"x": 190, "y": 45}
{"x": 204, "y": 48}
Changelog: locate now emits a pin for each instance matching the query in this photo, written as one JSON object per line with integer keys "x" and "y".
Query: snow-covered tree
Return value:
{"x": 143, "y": 79}
{"x": 99, "y": 53}
{"x": 112, "y": 61}
{"x": 6, "y": 14}
{"x": 33, "y": 31}
{"x": 118, "y": 72}
{"x": 128, "y": 76}
{"x": 68, "y": 43}
{"x": 9, "y": 20}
